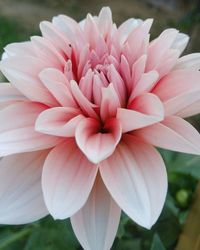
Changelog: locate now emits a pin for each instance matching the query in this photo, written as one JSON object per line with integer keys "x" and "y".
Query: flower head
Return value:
{"x": 84, "y": 106}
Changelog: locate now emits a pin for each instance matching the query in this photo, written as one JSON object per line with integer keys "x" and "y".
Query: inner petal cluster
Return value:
{"x": 98, "y": 81}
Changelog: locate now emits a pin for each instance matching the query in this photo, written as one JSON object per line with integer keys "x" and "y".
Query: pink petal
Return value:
{"x": 126, "y": 72}
{"x": 145, "y": 84}
{"x": 173, "y": 133}
{"x": 86, "y": 84}
{"x": 95, "y": 145}
{"x": 176, "y": 83}
{"x": 133, "y": 175}
{"x": 84, "y": 57}
{"x": 137, "y": 70}
{"x": 20, "y": 135}
{"x": 67, "y": 180}
{"x": 191, "y": 61}
{"x": 167, "y": 63}
{"x": 9, "y": 94}
{"x": 105, "y": 21}
{"x": 83, "y": 102}
{"x": 137, "y": 41}
{"x": 21, "y": 198}
{"x": 180, "y": 42}
{"x": 91, "y": 31}
{"x": 47, "y": 52}
{"x": 71, "y": 30}
{"x": 97, "y": 89}
{"x": 159, "y": 47}
{"x": 177, "y": 104}
{"x": 56, "y": 36}
{"x": 127, "y": 27}
{"x": 118, "y": 83}
{"x": 190, "y": 110}
{"x": 178, "y": 89}
{"x": 58, "y": 86}
{"x": 60, "y": 121}
{"x": 95, "y": 225}
{"x": 145, "y": 110}
{"x": 20, "y": 49}
{"x": 24, "y": 76}
{"x": 109, "y": 103}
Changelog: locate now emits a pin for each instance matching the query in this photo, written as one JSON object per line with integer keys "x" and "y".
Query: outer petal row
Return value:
{"x": 135, "y": 176}
{"x": 19, "y": 135}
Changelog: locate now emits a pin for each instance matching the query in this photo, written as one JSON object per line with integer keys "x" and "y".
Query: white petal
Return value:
{"x": 191, "y": 61}
{"x": 67, "y": 180}
{"x": 133, "y": 175}
{"x": 17, "y": 129}
{"x": 180, "y": 42}
{"x": 95, "y": 224}
{"x": 21, "y": 198}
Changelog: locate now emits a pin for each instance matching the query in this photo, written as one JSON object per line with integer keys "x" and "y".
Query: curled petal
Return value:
{"x": 145, "y": 110}
{"x": 67, "y": 180}
{"x": 60, "y": 121}
{"x": 95, "y": 225}
{"x": 94, "y": 143}
{"x": 109, "y": 103}
{"x": 133, "y": 175}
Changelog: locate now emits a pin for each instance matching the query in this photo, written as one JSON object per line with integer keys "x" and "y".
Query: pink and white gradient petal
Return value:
{"x": 132, "y": 183}
{"x": 19, "y": 135}
{"x": 96, "y": 223}
{"x": 173, "y": 133}
{"x": 145, "y": 110}
{"x": 59, "y": 121}
{"x": 94, "y": 143}
{"x": 67, "y": 180}
{"x": 21, "y": 197}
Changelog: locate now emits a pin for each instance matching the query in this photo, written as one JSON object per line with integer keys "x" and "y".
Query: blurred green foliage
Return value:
{"x": 11, "y": 31}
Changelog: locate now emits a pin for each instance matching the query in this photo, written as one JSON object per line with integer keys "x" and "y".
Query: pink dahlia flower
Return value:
{"x": 85, "y": 103}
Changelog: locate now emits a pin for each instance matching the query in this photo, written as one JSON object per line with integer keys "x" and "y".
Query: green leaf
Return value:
{"x": 167, "y": 227}
{"x": 12, "y": 238}
{"x": 128, "y": 244}
{"x": 52, "y": 235}
{"x": 157, "y": 243}
{"x": 121, "y": 229}
{"x": 188, "y": 165}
